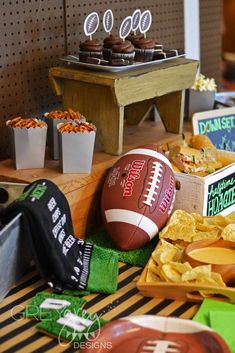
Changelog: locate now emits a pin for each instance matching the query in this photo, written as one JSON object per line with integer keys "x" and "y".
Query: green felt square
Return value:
{"x": 136, "y": 257}
{"x": 36, "y": 311}
{"x": 66, "y": 333}
{"x": 223, "y": 322}
{"x": 208, "y": 305}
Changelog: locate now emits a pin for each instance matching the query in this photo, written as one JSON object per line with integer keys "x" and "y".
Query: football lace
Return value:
{"x": 145, "y": 22}
{"x": 125, "y": 27}
{"x": 153, "y": 184}
{"x": 136, "y": 20}
{"x": 160, "y": 346}
{"x": 91, "y": 24}
{"x": 108, "y": 21}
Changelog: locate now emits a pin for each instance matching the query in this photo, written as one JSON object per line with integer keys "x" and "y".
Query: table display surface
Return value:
{"x": 20, "y": 335}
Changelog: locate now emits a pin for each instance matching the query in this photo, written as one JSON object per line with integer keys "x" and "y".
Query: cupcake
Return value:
{"x": 108, "y": 43}
{"x": 133, "y": 38}
{"x": 144, "y": 49}
{"x": 124, "y": 50}
{"x": 159, "y": 55}
{"x": 90, "y": 48}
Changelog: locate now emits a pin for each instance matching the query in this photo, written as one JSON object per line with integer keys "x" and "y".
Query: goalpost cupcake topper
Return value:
{"x": 108, "y": 21}
{"x": 91, "y": 24}
{"x": 125, "y": 27}
{"x": 135, "y": 20}
{"x": 145, "y": 22}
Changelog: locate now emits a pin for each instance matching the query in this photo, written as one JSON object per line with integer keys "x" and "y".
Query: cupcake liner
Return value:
{"x": 143, "y": 55}
{"x": 125, "y": 56}
{"x": 107, "y": 53}
{"x": 93, "y": 54}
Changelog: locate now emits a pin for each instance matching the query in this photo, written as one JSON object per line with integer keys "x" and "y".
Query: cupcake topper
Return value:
{"x": 135, "y": 20}
{"x": 125, "y": 27}
{"x": 108, "y": 21}
{"x": 91, "y": 24}
{"x": 145, "y": 22}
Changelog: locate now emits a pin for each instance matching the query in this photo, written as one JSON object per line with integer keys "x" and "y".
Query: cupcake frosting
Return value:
{"x": 91, "y": 45}
{"x": 145, "y": 43}
{"x": 123, "y": 47}
{"x": 111, "y": 40}
{"x": 133, "y": 38}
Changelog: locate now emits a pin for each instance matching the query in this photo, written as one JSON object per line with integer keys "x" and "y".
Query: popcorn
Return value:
{"x": 204, "y": 84}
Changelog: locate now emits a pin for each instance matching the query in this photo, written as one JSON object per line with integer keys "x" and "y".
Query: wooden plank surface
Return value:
{"x": 82, "y": 190}
{"x": 21, "y": 335}
{"x": 132, "y": 85}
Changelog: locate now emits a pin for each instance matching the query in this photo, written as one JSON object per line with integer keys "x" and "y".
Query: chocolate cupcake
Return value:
{"x": 144, "y": 49}
{"x": 90, "y": 48}
{"x": 133, "y": 38}
{"x": 159, "y": 55}
{"x": 108, "y": 43}
{"x": 125, "y": 50}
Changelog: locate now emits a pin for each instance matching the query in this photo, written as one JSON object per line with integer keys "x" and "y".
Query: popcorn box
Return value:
{"x": 52, "y": 136}
{"x": 76, "y": 151}
{"x": 199, "y": 101}
{"x": 14, "y": 254}
{"x": 208, "y": 195}
{"x": 28, "y": 147}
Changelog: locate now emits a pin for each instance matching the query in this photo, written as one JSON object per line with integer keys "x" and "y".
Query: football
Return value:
{"x": 138, "y": 197}
{"x": 146, "y": 333}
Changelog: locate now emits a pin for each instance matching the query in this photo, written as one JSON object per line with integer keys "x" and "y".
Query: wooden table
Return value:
{"x": 20, "y": 335}
{"x": 83, "y": 191}
{"x": 102, "y": 96}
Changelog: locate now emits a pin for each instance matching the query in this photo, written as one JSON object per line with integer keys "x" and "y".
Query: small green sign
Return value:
{"x": 218, "y": 125}
{"x": 221, "y": 195}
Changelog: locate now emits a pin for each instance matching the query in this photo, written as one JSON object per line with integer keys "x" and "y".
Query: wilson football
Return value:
{"x": 138, "y": 197}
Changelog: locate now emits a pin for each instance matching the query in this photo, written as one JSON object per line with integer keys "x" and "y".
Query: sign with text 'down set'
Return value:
{"x": 218, "y": 125}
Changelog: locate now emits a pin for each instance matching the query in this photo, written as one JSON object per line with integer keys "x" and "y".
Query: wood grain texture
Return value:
{"x": 171, "y": 109}
{"x": 184, "y": 290}
{"x": 82, "y": 190}
{"x": 135, "y": 113}
{"x": 21, "y": 335}
{"x": 105, "y": 97}
{"x": 98, "y": 104}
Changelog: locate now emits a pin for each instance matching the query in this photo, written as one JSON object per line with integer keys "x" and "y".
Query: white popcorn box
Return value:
{"x": 28, "y": 147}
{"x": 200, "y": 101}
{"x": 76, "y": 151}
{"x": 52, "y": 136}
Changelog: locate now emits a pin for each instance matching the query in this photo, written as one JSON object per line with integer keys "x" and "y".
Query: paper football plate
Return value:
{"x": 149, "y": 333}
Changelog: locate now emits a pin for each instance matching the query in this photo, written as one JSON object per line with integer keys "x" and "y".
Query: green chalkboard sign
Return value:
{"x": 221, "y": 194}
{"x": 218, "y": 125}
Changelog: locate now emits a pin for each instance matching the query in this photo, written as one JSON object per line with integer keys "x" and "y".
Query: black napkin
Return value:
{"x": 62, "y": 259}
